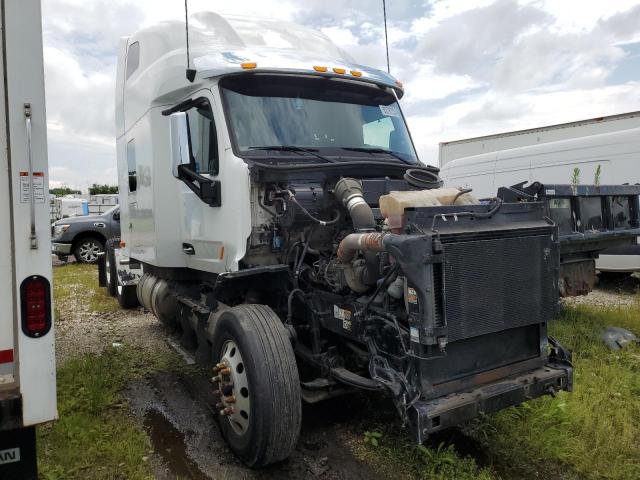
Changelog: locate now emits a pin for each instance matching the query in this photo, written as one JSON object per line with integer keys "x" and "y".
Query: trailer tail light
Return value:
{"x": 35, "y": 300}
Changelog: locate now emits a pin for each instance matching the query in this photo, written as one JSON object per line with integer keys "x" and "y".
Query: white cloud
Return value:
{"x": 470, "y": 67}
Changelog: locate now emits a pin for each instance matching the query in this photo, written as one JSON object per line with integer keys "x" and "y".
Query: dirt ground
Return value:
{"x": 178, "y": 413}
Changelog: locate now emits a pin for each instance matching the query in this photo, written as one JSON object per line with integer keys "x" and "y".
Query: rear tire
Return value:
{"x": 87, "y": 250}
{"x": 110, "y": 269}
{"x": 252, "y": 341}
{"x": 126, "y": 296}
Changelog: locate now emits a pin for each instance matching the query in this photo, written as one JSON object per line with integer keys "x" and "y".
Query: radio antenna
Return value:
{"x": 191, "y": 73}
{"x": 386, "y": 38}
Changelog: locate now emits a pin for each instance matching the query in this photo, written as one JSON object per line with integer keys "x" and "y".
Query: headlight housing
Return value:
{"x": 58, "y": 230}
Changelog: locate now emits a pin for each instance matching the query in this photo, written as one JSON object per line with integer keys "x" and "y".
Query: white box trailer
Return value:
{"x": 469, "y": 147}
{"x": 604, "y": 150}
{"x": 27, "y": 360}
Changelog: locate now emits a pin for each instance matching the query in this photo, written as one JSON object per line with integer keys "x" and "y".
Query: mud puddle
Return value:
{"x": 180, "y": 420}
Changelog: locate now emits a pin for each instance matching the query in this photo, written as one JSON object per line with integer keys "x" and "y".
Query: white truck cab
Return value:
{"x": 27, "y": 360}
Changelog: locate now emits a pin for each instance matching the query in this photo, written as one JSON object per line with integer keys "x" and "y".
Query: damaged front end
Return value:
{"x": 479, "y": 285}
{"x": 432, "y": 295}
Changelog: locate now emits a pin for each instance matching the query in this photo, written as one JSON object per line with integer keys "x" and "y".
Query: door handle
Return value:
{"x": 188, "y": 249}
{"x": 33, "y": 238}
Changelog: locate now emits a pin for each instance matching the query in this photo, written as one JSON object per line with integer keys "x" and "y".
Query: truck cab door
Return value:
{"x": 196, "y": 163}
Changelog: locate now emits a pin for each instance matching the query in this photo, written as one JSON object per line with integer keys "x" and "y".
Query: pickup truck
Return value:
{"x": 84, "y": 236}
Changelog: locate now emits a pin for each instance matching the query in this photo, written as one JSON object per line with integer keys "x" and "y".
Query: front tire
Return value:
{"x": 261, "y": 422}
{"x": 87, "y": 250}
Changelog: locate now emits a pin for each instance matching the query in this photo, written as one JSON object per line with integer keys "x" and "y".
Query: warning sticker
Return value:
{"x": 412, "y": 296}
{"x": 341, "y": 313}
{"x": 414, "y": 334}
{"x": 38, "y": 187}
{"x": 390, "y": 110}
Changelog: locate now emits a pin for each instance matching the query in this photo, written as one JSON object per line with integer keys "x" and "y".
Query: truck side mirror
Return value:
{"x": 179, "y": 135}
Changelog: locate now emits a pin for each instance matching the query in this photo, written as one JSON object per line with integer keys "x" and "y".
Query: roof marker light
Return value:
{"x": 319, "y": 68}
{"x": 356, "y": 73}
{"x": 340, "y": 71}
{"x": 248, "y": 65}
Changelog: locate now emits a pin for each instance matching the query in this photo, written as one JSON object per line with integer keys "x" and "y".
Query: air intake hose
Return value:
{"x": 349, "y": 192}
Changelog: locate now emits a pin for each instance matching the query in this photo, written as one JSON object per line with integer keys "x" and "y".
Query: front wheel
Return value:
{"x": 258, "y": 385}
{"x": 87, "y": 250}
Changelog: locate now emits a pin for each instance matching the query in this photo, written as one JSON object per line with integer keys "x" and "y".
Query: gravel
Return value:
{"x": 92, "y": 332}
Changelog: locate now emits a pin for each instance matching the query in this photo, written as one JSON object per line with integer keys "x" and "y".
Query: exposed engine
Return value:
{"x": 402, "y": 284}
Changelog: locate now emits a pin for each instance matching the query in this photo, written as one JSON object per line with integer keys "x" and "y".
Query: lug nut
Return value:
{"x": 218, "y": 367}
{"x": 226, "y": 411}
{"x": 227, "y": 389}
{"x": 230, "y": 399}
{"x": 225, "y": 371}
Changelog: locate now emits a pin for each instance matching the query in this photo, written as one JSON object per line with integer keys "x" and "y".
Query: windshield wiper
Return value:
{"x": 375, "y": 150}
{"x": 294, "y": 148}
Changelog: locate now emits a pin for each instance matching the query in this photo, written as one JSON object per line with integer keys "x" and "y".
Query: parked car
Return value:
{"x": 85, "y": 236}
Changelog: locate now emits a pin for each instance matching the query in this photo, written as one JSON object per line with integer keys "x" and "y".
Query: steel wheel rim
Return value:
{"x": 234, "y": 388}
{"x": 89, "y": 251}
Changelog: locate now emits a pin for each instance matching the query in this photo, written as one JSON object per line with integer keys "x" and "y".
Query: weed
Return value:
{"x": 575, "y": 176}
{"x": 94, "y": 436}
{"x": 372, "y": 438}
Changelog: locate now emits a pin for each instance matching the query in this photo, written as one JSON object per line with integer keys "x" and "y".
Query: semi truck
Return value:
{"x": 275, "y": 215}
{"x": 27, "y": 360}
{"x": 603, "y": 150}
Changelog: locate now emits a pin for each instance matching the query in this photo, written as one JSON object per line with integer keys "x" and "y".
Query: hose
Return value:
{"x": 367, "y": 242}
{"x": 308, "y": 214}
{"x": 460, "y": 193}
{"x": 423, "y": 179}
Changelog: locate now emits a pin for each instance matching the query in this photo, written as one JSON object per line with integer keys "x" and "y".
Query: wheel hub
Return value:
{"x": 89, "y": 251}
{"x": 233, "y": 388}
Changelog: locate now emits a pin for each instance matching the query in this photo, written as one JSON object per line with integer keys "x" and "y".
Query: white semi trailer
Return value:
{"x": 275, "y": 213}
{"x": 27, "y": 361}
{"x": 605, "y": 150}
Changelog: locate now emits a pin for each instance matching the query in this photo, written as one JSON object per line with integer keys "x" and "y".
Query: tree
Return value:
{"x": 64, "y": 190}
{"x": 96, "y": 189}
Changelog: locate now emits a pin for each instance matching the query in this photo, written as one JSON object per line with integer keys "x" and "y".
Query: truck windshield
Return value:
{"x": 285, "y": 115}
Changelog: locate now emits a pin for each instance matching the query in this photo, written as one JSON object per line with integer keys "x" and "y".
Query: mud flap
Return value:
{"x": 18, "y": 454}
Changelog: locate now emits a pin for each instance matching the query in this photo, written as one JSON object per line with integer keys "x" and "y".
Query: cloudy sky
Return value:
{"x": 470, "y": 67}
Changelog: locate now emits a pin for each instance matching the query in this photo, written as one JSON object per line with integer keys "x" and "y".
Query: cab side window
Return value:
{"x": 203, "y": 139}
{"x": 133, "y": 59}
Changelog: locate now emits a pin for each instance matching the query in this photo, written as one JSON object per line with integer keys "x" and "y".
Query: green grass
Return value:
{"x": 76, "y": 284}
{"x": 95, "y": 437}
{"x": 593, "y": 432}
